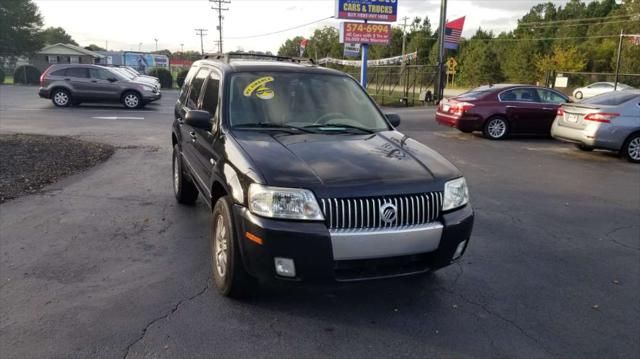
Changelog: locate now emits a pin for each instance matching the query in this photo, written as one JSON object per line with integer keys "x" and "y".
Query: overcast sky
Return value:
{"x": 127, "y": 23}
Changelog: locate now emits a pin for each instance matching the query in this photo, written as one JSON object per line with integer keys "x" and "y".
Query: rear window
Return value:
{"x": 612, "y": 98}
{"x": 474, "y": 94}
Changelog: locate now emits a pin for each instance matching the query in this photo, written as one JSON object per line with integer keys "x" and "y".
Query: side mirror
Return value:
{"x": 394, "y": 119}
{"x": 198, "y": 119}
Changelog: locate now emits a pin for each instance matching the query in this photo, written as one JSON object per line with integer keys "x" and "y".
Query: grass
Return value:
{"x": 8, "y": 80}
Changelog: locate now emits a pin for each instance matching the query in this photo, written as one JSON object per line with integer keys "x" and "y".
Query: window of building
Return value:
{"x": 74, "y": 59}
{"x": 52, "y": 59}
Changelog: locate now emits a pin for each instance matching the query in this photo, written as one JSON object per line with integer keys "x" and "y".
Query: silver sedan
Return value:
{"x": 610, "y": 121}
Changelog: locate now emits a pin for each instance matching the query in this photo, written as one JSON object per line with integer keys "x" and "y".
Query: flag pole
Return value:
{"x": 439, "y": 90}
{"x": 615, "y": 85}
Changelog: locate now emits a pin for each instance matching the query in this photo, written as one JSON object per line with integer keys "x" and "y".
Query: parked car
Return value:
{"x": 73, "y": 84}
{"x": 132, "y": 77}
{"x": 501, "y": 110}
{"x": 610, "y": 121}
{"x": 142, "y": 76}
{"x": 598, "y": 88}
{"x": 308, "y": 180}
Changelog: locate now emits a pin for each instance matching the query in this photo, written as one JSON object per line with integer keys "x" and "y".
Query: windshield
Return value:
{"x": 301, "y": 100}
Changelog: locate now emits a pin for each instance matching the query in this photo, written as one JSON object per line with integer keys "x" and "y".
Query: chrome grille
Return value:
{"x": 364, "y": 213}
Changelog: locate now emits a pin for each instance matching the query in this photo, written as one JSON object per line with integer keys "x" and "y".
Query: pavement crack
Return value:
{"x": 175, "y": 308}
{"x": 617, "y": 229}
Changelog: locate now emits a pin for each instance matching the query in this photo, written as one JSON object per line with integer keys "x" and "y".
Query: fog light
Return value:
{"x": 285, "y": 267}
{"x": 459, "y": 250}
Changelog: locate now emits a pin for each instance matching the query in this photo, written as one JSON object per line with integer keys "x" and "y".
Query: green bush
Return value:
{"x": 182, "y": 75}
{"x": 164, "y": 75}
{"x": 26, "y": 74}
{"x": 1, "y": 76}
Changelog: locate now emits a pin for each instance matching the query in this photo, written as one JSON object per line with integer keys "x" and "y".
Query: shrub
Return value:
{"x": 182, "y": 75}
{"x": 166, "y": 80}
{"x": 26, "y": 74}
{"x": 1, "y": 76}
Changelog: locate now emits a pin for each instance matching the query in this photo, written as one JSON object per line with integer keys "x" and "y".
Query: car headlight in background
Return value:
{"x": 456, "y": 194}
{"x": 289, "y": 203}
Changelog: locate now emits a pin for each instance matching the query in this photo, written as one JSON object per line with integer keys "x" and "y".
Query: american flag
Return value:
{"x": 452, "y": 33}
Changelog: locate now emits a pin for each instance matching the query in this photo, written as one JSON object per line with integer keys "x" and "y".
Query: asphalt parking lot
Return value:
{"x": 106, "y": 264}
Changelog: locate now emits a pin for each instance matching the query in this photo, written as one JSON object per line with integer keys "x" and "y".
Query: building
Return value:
{"x": 63, "y": 54}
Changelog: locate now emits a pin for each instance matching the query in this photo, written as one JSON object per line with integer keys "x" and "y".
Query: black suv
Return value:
{"x": 307, "y": 179}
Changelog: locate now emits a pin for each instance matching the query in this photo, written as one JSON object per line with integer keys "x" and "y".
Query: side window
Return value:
{"x": 508, "y": 96}
{"x": 78, "y": 72}
{"x": 547, "y": 96}
{"x": 210, "y": 99}
{"x": 187, "y": 81}
{"x": 520, "y": 95}
{"x": 58, "y": 73}
{"x": 196, "y": 88}
{"x": 100, "y": 74}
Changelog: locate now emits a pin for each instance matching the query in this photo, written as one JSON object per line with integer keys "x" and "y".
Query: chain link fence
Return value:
{"x": 573, "y": 80}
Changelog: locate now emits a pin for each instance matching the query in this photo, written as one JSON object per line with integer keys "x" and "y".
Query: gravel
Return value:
{"x": 30, "y": 162}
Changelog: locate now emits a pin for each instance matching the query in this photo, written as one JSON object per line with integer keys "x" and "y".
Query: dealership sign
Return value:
{"x": 351, "y": 50}
{"x": 376, "y": 10}
{"x": 361, "y": 33}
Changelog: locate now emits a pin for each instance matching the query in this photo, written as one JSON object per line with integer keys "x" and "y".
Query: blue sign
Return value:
{"x": 376, "y": 10}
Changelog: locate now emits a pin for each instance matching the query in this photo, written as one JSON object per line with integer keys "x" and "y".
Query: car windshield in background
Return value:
{"x": 322, "y": 102}
{"x": 123, "y": 73}
{"x": 612, "y": 98}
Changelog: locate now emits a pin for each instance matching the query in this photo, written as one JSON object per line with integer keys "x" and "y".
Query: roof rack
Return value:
{"x": 249, "y": 56}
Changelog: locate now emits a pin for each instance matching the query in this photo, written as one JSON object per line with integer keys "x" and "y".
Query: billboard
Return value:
{"x": 144, "y": 62}
{"x": 351, "y": 50}
{"x": 376, "y": 10}
{"x": 361, "y": 33}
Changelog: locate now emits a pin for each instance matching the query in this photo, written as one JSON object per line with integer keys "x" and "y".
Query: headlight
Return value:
{"x": 456, "y": 194}
{"x": 290, "y": 203}
{"x": 147, "y": 88}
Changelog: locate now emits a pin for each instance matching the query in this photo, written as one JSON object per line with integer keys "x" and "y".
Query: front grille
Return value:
{"x": 365, "y": 213}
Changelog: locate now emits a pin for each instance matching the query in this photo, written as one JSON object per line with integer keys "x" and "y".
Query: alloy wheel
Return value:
{"x": 633, "y": 149}
{"x": 221, "y": 247}
{"x": 61, "y": 98}
{"x": 131, "y": 100}
{"x": 497, "y": 128}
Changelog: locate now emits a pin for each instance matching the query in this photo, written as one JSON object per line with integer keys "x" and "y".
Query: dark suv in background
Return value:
{"x": 308, "y": 180}
{"x": 72, "y": 84}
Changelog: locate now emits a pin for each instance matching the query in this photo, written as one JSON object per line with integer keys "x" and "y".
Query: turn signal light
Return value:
{"x": 560, "y": 112}
{"x": 603, "y": 117}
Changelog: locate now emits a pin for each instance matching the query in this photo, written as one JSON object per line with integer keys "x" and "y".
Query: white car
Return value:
{"x": 597, "y": 88}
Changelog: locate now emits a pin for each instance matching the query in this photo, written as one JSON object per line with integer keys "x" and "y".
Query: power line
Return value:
{"x": 279, "y": 31}
{"x": 220, "y": 9}
{"x": 585, "y": 24}
{"x": 576, "y": 20}
{"x": 201, "y": 33}
{"x": 548, "y": 38}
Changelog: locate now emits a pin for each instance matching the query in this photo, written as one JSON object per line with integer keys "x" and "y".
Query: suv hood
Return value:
{"x": 381, "y": 163}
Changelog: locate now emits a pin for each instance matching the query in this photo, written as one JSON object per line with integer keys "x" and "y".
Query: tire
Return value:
{"x": 496, "y": 128}
{"x": 132, "y": 100}
{"x": 585, "y": 148}
{"x": 184, "y": 190}
{"x": 61, "y": 98}
{"x": 578, "y": 95}
{"x": 228, "y": 272}
{"x": 631, "y": 148}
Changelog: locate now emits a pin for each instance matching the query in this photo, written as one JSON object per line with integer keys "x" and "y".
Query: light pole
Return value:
{"x": 156, "y": 40}
{"x": 139, "y": 46}
{"x": 443, "y": 23}
{"x": 182, "y": 48}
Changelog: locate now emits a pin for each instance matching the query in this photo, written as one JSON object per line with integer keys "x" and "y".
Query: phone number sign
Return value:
{"x": 361, "y": 33}
{"x": 377, "y": 10}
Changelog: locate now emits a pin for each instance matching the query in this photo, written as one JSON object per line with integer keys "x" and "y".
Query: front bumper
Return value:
{"x": 150, "y": 97}
{"x": 311, "y": 247}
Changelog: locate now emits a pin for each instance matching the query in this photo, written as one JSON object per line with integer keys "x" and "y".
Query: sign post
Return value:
{"x": 365, "y": 34}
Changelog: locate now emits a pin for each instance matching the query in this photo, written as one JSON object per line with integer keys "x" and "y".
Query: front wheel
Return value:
{"x": 229, "y": 274}
{"x": 132, "y": 100}
{"x": 631, "y": 148}
{"x": 496, "y": 128}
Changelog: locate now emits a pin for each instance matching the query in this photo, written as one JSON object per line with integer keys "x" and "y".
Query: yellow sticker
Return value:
{"x": 260, "y": 85}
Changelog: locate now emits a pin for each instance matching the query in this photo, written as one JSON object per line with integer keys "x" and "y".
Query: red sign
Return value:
{"x": 361, "y": 33}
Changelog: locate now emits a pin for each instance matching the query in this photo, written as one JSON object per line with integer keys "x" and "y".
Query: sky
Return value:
{"x": 134, "y": 24}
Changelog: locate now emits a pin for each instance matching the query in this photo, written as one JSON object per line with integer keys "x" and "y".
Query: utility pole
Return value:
{"x": 439, "y": 90}
{"x": 106, "y": 45}
{"x": 139, "y": 46}
{"x": 220, "y": 9}
{"x": 201, "y": 33}
{"x": 156, "y": 40}
{"x": 182, "y": 48}
{"x": 615, "y": 84}
{"x": 404, "y": 34}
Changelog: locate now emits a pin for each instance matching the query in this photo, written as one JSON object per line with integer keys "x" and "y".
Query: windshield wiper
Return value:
{"x": 266, "y": 125}
{"x": 337, "y": 126}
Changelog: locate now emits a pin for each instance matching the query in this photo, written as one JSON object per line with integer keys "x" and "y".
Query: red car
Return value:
{"x": 501, "y": 110}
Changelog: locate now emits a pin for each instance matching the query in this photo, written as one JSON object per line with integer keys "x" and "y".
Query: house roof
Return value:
{"x": 68, "y": 49}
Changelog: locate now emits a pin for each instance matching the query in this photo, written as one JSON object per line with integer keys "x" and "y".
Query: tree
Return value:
{"x": 291, "y": 47}
{"x": 163, "y": 52}
{"x": 55, "y": 35}
{"x": 478, "y": 64}
{"x": 518, "y": 62}
{"x": 94, "y": 47}
{"x": 567, "y": 59}
{"x": 20, "y": 21}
